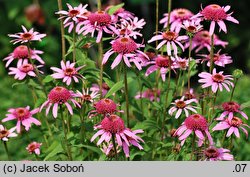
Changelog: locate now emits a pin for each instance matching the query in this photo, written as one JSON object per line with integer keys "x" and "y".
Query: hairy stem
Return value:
{"x": 6, "y": 149}
{"x": 169, "y": 13}
{"x": 212, "y": 54}
{"x": 114, "y": 146}
{"x": 189, "y": 58}
{"x": 126, "y": 92}
{"x": 157, "y": 21}
{"x": 232, "y": 94}
{"x": 65, "y": 134}
{"x": 74, "y": 44}
{"x": 62, "y": 31}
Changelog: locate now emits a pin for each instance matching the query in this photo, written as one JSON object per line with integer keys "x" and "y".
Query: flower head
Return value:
{"x": 177, "y": 17}
{"x": 57, "y": 97}
{"x": 151, "y": 94}
{"x": 21, "y": 53}
{"x": 99, "y": 21}
{"x": 194, "y": 123}
{"x": 5, "y": 134}
{"x": 34, "y": 147}
{"x": 73, "y": 15}
{"x": 171, "y": 39}
{"x": 202, "y": 39}
{"x": 216, "y": 14}
{"x": 114, "y": 126}
{"x": 96, "y": 88}
{"x": 26, "y": 36}
{"x": 216, "y": 80}
{"x": 181, "y": 105}
{"x": 217, "y": 154}
{"x": 229, "y": 109}
{"x": 127, "y": 49}
{"x": 68, "y": 72}
{"x": 23, "y": 116}
{"x": 233, "y": 126}
{"x": 162, "y": 63}
{"x": 104, "y": 107}
{"x": 219, "y": 59}
{"x": 85, "y": 96}
{"x": 192, "y": 26}
{"x": 23, "y": 69}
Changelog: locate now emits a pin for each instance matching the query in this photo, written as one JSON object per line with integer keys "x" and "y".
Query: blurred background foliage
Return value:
{"x": 15, "y": 13}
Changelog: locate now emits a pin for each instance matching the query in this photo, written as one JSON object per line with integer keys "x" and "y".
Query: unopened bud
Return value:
{"x": 237, "y": 73}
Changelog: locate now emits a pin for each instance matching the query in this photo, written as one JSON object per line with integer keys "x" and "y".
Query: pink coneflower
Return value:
{"x": 171, "y": 39}
{"x": 127, "y": 49}
{"x": 130, "y": 27}
{"x": 217, "y": 154}
{"x": 85, "y": 96}
{"x": 189, "y": 94}
{"x": 202, "y": 40}
{"x": 21, "y": 53}
{"x": 216, "y": 80}
{"x": 5, "y": 134}
{"x": 67, "y": 72}
{"x": 192, "y": 26}
{"x": 34, "y": 147}
{"x": 216, "y": 14}
{"x": 219, "y": 59}
{"x": 99, "y": 21}
{"x": 180, "y": 105}
{"x": 104, "y": 107}
{"x": 181, "y": 63}
{"x": 114, "y": 125}
{"x": 233, "y": 126}
{"x": 194, "y": 123}
{"x": 120, "y": 13}
{"x": 230, "y": 108}
{"x": 23, "y": 116}
{"x": 151, "y": 94}
{"x": 73, "y": 15}
{"x": 177, "y": 17}
{"x": 23, "y": 69}
{"x": 162, "y": 63}
{"x": 26, "y": 36}
{"x": 57, "y": 97}
{"x": 96, "y": 88}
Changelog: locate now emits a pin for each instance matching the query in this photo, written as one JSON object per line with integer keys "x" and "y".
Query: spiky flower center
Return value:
{"x": 124, "y": 45}
{"x": 218, "y": 78}
{"x": 231, "y": 106}
{"x": 150, "y": 55}
{"x": 70, "y": 71}
{"x": 26, "y": 36}
{"x": 196, "y": 122}
{"x": 105, "y": 86}
{"x": 100, "y": 18}
{"x": 211, "y": 152}
{"x": 105, "y": 106}
{"x": 182, "y": 14}
{"x": 216, "y": 57}
{"x": 163, "y": 61}
{"x": 180, "y": 104}
{"x": 192, "y": 29}
{"x": 169, "y": 35}
{"x": 4, "y": 133}
{"x": 21, "y": 52}
{"x": 59, "y": 95}
{"x": 26, "y": 68}
{"x": 182, "y": 64}
{"x": 113, "y": 124}
{"x": 189, "y": 95}
{"x": 21, "y": 113}
{"x": 214, "y": 12}
{"x": 236, "y": 122}
{"x": 74, "y": 12}
{"x": 86, "y": 98}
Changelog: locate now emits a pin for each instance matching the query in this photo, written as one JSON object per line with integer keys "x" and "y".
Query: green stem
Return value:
{"x": 37, "y": 158}
{"x": 6, "y": 149}
{"x": 157, "y": 22}
{"x": 74, "y": 44}
{"x": 100, "y": 51}
{"x": 99, "y": 5}
{"x": 193, "y": 147}
{"x": 189, "y": 57}
{"x": 178, "y": 81}
{"x": 114, "y": 146}
{"x": 126, "y": 92}
{"x": 65, "y": 134}
{"x": 232, "y": 94}
{"x": 169, "y": 13}
{"x": 62, "y": 31}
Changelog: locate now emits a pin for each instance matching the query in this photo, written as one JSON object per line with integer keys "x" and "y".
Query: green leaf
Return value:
{"x": 48, "y": 78}
{"x": 53, "y": 150}
{"x": 117, "y": 87}
{"x": 92, "y": 148}
{"x": 113, "y": 9}
{"x": 69, "y": 39}
{"x": 18, "y": 83}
